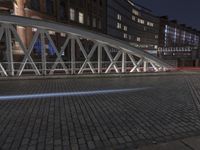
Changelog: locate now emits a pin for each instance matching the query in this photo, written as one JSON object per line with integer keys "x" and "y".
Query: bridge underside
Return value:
{"x": 56, "y": 48}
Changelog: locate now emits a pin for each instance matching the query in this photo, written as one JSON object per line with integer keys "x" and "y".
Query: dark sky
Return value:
{"x": 184, "y": 11}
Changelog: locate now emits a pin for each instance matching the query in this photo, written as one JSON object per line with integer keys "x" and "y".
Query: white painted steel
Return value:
{"x": 101, "y": 43}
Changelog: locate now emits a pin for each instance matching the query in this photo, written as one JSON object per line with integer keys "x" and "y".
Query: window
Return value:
{"x": 99, "y": 24}
{"x": 150, "y": 24}
{"x": 52, "y": 32}
{"x": 135, "y": 12}
{"x": 129, "y": 37}
{"x": 72, "y": 14}
{"x": 125, "y": 36}
{"x": 62, "y": 10}
{"x": 138, "y": 39}
{"x": 119, "y": 25}
{"x": 35, "y": 4}
{"x": 63, "y": 34}
{"x": 49, "y": 7}
{"x": 88, "y": 20}
{"x": 140, "y": 21}
{"x": 94, "y": 22}
{"x": 81, "y": 18}
{"x": 119, "y": 17}
{"x": 133, "y": 18}
{"x": 125, "y": 28}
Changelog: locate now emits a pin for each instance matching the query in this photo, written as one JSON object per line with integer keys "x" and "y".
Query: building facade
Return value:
{"x": 133, "y": 23}
{"x": 178, "y": 42}
{"x": 87, "y": 14}
{"x": 121, "y": 19}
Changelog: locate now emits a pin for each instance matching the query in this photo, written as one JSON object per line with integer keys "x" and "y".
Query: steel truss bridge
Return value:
{"x": 126, "y": 59}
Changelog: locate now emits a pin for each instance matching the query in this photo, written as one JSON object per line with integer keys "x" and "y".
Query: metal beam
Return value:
{"x": 99, "y": 58}
{"x": 59, "y": 60}
{"x": 123, "y": 62}
{"x": 25, "y": 59}
{"x": 3, "y": 70}
{"x": 73, "y": 52}
{"x": 107, "y": 40}
{"x": 9, "y": 52}
{"x": 43, "y": 46}
{"x": 27, "y": 55}
{"x": 87, "y": 60}
{"x": 1, "y": 32}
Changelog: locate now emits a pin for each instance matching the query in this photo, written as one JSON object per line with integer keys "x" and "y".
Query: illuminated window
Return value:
{"x": 150, "y": 24}
{"x": 140, "y": 21}
{"x": 52, "y": 32}
{"x": 63, "y": 34}
{"x": 138, "y": 39}
{"x": 125, "y": 36}
{"x": 133, "y": 18}
{"x": 119, "y": 17}
{"x": 81, "y": 18}
{"x": 119, "y": 25}
{"x": 135, "y": 12}
{"x": 72, "y": 14}
{"x": 125, "y": 28}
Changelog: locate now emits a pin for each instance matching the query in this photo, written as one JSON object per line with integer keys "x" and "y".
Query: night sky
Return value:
{"x": 184, "y": 11}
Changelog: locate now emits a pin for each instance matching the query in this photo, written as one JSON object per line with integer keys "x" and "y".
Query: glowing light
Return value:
{"x": 79, "y": 93}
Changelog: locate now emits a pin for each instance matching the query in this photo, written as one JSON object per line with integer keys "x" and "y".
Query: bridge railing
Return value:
{"x": 124, "y": 59}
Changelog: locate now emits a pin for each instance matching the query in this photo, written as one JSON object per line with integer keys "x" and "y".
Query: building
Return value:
{"x": 133, "y": 23}
{"x": 178, "y": 42}
{"x": 87, "y": 14}
{"x": 122, "y": 19}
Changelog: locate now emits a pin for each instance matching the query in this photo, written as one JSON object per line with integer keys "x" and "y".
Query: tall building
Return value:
{"x": 133, "y": 23}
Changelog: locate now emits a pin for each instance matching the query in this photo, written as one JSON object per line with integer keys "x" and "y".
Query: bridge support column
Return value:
{"x": 73, "y": 65}
{"x": 123, "y": 62}
{"x": 145, "y": 66}
{"x": 44, "y": 67}
{"x": 9, "y": 52}
{"x": 99, "y": 58}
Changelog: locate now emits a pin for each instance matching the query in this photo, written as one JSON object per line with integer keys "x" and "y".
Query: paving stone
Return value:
{"x": 164, "y": 112}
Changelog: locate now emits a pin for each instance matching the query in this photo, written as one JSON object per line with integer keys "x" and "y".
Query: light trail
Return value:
{"x": 78, "y": 93}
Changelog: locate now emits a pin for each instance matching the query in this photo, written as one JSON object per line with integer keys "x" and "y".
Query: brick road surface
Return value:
{"x": 167, "y": 110}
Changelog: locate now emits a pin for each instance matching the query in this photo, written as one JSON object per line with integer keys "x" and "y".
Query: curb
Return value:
{"x": 98, "y": 76}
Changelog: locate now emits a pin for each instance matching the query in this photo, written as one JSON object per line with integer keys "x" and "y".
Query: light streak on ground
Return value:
{"x": 78, "y": 93}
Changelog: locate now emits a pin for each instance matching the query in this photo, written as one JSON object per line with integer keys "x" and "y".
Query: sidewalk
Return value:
{"x": 184, "y": 144}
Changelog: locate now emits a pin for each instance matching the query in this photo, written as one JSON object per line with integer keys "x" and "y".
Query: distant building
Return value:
{"x": 133, "y": 23}
{"x": 178, "y": 42}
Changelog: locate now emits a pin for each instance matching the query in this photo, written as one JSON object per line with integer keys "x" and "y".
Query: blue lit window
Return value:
{"x": 52, "y": 51}
{"x": 37, "y": 47}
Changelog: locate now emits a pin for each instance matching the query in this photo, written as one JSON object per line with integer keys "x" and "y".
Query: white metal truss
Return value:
{"x": 125, "y": 59}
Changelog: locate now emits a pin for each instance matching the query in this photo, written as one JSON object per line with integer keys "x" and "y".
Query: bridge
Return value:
{"x": 98, "y": 59}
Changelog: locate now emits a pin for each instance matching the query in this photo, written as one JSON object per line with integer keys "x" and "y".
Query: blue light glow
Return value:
{"x": 78, "y": 93}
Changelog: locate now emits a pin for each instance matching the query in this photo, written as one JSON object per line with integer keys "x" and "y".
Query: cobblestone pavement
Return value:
{"x": 168, "y": 110}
